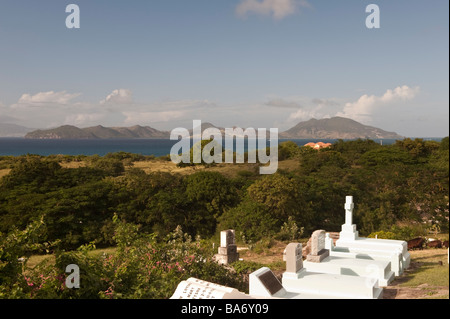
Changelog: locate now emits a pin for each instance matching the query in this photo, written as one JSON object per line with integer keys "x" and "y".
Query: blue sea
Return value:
{"x": 101, "y": 147}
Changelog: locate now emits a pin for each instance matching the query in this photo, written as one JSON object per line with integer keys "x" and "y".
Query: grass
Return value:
{"x": 426, "y": 278}
{"x": 158, "y": 165}
{"x": 4, "y": 172}
{"x": 228, "y": 170}
{"x": 430, "y": 267}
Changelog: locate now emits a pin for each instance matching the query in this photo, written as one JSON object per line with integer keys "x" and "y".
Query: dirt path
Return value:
{"x": 421, "y": 292}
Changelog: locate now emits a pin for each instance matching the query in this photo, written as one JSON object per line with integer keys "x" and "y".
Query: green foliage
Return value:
{"x": 287, "y": 150}
{"x": 210, "y": 148}
{"x": 143, "y": 267}
{"x": 383, "y": 235}
{"x": 387, "y": 156}
{"x": 210, "y": 190}
{"x": 276, "y": 192}
{"x": 15, "y": 249}
{"x": 444, "y": 146}
{"x": 244, "y": 267}
{"x": 251, "y": 220}
{"x": 401, "y": 232}
{"x": 33, "y": 173}
{"x": 315, "y": 160}
{"x": 112, "y": 166}
{"x": 290, "y": 230}
{"x": 418, "y": 148}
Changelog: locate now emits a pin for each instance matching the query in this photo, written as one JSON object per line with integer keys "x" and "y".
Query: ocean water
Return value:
{"x": 156, "y": 147}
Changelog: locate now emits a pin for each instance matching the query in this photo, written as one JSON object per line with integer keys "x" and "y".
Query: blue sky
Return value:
{"x": 259, "y": 63}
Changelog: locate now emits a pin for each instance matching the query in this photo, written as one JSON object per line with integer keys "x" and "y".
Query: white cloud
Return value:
{"x": 120, "y": 96}
{"x": 84, "y": 119}
{"x": 366, "y": 105}
{"x": 402, "y": 92}
{"x": 302, "y": 115}
{"x": 49, "y": 97}
{"x": 306, "y": 108}
{"x": 146, "y": 118}
{"x": 278, "y": 9}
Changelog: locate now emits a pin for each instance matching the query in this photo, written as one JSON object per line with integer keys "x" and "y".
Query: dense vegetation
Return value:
{"x": 45, "y": 207}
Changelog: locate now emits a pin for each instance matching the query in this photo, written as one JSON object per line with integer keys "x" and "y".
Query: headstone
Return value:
{"x": 227, "y": 252}
{"x": 227, "y": 237}
{"x": 263, "y": 283}
{"x": 293, "y": 257}
{"x": 318, "y": 251}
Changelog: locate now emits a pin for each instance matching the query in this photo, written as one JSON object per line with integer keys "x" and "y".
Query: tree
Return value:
{"x": 250, "y": 219}
{"x": 210, "y": 190}
{"x": 287, "y": 150}
{"x": 111, "y": 166}
{"x": 34, "y": 173}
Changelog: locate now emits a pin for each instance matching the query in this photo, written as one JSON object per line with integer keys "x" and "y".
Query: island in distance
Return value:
{"x": 337, "y": 128}
{"x": 98, "y": 132}
{"x": 332, "y": 128}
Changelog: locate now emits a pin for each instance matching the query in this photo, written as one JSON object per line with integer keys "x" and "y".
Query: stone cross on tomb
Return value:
{"x": 348, "y": 231}
{"x": 349, "y": 205}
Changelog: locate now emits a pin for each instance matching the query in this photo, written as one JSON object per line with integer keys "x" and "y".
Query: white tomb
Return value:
{"x": 347, "y": 264}
{"x": 395, "y": 251}
{"x": 298, "y": 279}
{"x": 264, "y": 285}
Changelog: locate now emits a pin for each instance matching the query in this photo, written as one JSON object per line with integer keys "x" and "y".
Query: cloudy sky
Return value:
{"x": 247, "y": 63}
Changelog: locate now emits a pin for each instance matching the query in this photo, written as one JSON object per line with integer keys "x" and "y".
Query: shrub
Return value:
{"x": 142, "y": 267}
{"x": 290, "y": 230}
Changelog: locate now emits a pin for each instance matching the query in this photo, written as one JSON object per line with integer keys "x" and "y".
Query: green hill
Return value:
{"x": 97, "y": 132}
{"x": 336, "y": 128}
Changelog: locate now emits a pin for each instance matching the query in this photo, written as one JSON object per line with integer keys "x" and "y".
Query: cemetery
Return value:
{"x": 353, "y": 267}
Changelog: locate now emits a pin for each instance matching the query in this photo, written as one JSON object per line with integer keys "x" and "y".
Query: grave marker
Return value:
{"x": 318, "y": 251}
{"x": 227, "y": 252}
{"x": 293, "y": 257}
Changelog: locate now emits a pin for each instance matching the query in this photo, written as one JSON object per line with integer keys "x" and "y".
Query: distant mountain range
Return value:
{"x": 336, "y": 128}
{"x": 97, "y": 132}
{"x": 332, "y": 128}
{"x": 13, "y": 130}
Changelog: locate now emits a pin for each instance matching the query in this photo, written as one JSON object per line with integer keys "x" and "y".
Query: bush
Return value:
{"x": 142, "y": 267}
{"x": 112, "y": 166}
{"x": 290, "y": 230}
{"x": 401, "y": 232}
